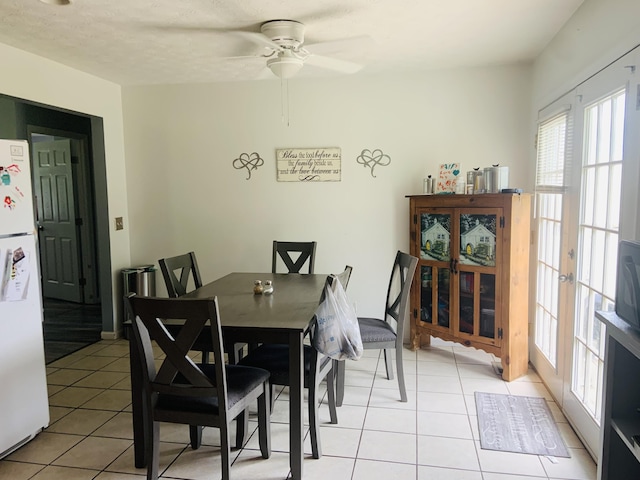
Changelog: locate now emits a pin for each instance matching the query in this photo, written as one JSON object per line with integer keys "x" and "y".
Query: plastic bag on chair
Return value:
{"x": 337, "y": 333}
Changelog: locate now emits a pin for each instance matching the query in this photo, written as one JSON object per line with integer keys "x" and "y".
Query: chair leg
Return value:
{"x": 234, "y": 351}
{"x": 153, "y": 450}
{"x": 238, "y": 351}
{"x": 225, "y": 451}
{"x": 331, "y": 393}
{"x": 264, "y": 422}
{"x": 195, "y": 435}
{"x": 388, "y": 363}
{"x": 272, "y": 391}
{"x": 400, "y": 368}
{"x": 242, "y": 427}
{"x": 340, "y": 366}
{"x": 205, "y": 357}
{"x": 314, "y": 427}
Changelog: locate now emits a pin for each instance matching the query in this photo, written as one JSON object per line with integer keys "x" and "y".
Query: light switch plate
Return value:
{"x": 119, "y": 223}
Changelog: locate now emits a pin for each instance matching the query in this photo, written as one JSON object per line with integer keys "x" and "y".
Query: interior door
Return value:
{"x": 56, "y": 219}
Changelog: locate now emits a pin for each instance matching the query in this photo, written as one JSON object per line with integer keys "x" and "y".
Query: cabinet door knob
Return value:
{"x": 453, "y": 266}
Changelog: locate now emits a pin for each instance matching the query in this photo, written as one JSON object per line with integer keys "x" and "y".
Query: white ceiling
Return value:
{"x": 185, "y": 41}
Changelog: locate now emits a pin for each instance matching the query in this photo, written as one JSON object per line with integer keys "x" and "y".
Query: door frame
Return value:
{"x": 48, "y": 115}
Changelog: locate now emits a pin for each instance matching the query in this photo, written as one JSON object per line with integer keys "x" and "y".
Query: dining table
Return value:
{"x": 283, "y": 316}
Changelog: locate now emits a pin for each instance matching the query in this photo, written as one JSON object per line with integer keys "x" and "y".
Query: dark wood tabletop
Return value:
{"x": 291, "y": 306}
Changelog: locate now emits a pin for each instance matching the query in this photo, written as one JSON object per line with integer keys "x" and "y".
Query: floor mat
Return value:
{"x": 518, "y": 424}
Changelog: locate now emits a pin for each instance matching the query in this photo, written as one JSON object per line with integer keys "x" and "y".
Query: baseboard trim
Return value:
{"x": 110, "y": 335}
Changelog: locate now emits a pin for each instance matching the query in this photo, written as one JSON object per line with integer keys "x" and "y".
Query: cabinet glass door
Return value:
{"x": 478, "y": 239}
{"x": 435, "y": 256}
{"x": 475, "y": 266}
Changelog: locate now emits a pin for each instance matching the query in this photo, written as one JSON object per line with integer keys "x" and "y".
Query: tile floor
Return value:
{"x": 434, "y": 436}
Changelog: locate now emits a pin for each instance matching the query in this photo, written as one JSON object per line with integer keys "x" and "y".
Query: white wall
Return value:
{"x": 599, "y": 32}
{"x": 184, "y": 194}
{"x": 34, "y": 78}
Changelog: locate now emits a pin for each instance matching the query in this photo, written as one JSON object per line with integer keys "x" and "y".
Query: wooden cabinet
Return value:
{"x": 472, "y": 280}
{"x": 620, "y": 434}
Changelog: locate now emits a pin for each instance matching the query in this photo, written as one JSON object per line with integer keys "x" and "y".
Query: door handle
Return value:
{"x": 566, "y": 278}
{"x": 453, "y": 266}
{"x": 40, "y": 227}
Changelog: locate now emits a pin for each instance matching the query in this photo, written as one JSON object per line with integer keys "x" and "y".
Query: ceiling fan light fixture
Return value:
{"x": 285, "y": 66}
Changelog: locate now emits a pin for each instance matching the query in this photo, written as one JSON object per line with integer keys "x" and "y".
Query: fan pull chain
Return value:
{"x": 284, "y": 101}
{"x": 288, "y": 104}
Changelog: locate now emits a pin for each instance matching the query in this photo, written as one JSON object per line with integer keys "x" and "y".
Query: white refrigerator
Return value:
{"x": 24, "y": 406}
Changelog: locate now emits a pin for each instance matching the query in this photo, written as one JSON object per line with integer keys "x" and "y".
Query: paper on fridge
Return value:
{"x": 15, "y": 277}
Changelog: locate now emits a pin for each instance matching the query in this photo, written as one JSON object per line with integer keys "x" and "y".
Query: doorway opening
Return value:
{"x": 62, "y": 186}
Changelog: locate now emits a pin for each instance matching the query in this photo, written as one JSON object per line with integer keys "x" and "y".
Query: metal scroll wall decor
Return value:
{"x": 250, "y": 161}
{"x": 372, "y": 159}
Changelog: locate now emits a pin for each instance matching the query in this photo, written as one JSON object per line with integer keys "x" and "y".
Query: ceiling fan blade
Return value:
{"x": 330, "y": 63}
{"x": 235, "y": 40}
{"x": 258, "y": 39}
{"x": 198, "y": 28}
{"x": 361, "y": 44}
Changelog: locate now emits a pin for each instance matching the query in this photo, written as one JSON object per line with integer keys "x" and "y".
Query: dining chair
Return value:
{"x": 180, "y": 273}
{"x": 181, "y": 391}
{"x": 317, "y": 367}
{"x": 386, "y": 333}
{"x": 283, "y": 251}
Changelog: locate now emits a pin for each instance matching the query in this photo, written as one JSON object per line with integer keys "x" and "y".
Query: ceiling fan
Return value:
{"x": 287, "y": 52}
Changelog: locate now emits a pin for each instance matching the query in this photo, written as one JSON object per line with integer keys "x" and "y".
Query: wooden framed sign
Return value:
{"x": 309, "y": 164}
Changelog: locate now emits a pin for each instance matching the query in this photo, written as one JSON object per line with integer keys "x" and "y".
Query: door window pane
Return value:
{"x": 552, "y": 166}
{"x": 597, "y": 244}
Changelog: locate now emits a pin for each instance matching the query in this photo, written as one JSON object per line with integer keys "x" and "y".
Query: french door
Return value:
{"x": 587, "y": 173}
